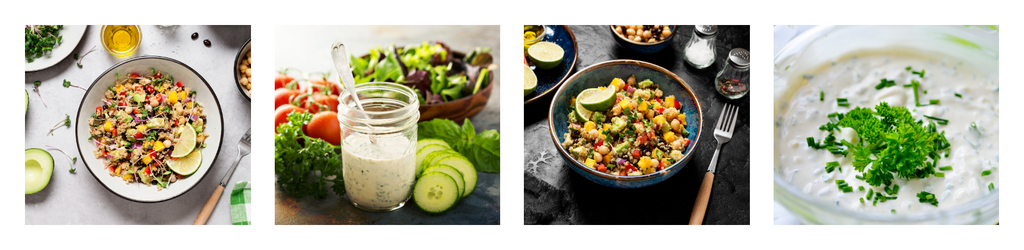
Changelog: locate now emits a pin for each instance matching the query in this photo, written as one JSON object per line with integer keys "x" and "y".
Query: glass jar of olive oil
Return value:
{"x": 121, "y": 40}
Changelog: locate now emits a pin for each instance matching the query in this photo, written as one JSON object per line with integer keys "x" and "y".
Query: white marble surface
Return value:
{"x": 77, "y": 198}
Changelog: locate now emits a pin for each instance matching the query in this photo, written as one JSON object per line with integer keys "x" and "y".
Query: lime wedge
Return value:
{"x": 546, "y": 55}
{"x": 582, "y": 113}
{"x": 186, "y": 142}
{"x": 531, "y": 80}
{"x": 186, "y": 165}
{"x": 599, "y": 100}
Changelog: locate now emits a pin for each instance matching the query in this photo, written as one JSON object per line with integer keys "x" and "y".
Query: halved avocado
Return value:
{"x": 38, "y": 169}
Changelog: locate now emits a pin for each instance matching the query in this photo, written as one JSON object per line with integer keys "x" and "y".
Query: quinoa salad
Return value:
{"x": 140, "y": 124}
{"x": 640, "y": 132}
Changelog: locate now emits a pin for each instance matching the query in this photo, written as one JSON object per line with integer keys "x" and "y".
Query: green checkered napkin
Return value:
{"x": 240, "y": 200}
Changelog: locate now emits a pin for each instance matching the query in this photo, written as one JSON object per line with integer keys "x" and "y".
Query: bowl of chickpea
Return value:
{"x": 646, "y": 137}
{"x": 643, "y": 39}
{"x": 243, "y": 69}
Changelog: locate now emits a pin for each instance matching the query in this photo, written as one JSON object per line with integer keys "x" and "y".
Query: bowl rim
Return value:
{"x": 674, "y": 167}
{"x": 675, "y": 28}
{"x": 220, "y": 112}
{"x": 544, "y": 28}
{"x": 575, "y": 56}
{"x": 795, "y": 46}
{"x": 238, "y": 56}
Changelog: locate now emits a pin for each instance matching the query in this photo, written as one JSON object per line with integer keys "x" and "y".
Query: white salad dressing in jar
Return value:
{"x": 379, "y": 152}
{"x": 967, "y": 98}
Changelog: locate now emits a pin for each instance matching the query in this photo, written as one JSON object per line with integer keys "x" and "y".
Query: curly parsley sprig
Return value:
{"x": 298, "y": 157}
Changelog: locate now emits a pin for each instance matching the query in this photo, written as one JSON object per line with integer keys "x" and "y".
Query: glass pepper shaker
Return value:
{"x": 700, "y": 50}
{"x": 733, "y": 81}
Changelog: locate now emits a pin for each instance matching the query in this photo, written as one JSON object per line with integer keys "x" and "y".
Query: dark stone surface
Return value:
{"x": 557, "y": 195}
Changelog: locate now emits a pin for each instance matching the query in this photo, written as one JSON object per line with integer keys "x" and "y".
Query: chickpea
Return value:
{"x": 630, "y": 32}
{"x": 665, "y": 32}
{"x": 618, "y": 30}
{"x": 650, "y": 114}
{"x": 637, "y": 39}
{"x": 593, "y": 134}
{"x": 671, "y": 113}
{"x": 633, "y": 104}
{"x": 675, "y": 125}
{"x": 597, "y": 157}
{"x": 603, "y": 150}
{"x": 658, "y": 93}
{"x": 631, "y": 80}
{"x": 654, "y": 162}
{"x": 647, "y": 34}
{"x": 638, "y": 126}
{"x": 630, "y": 37}
{"x": 652, "y": 40}
{"x": 676, "y": 145}
{"x": 616, "y": 110}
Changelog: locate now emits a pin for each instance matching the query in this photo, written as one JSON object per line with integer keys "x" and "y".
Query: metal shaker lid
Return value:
{"x": 707, "y": 30}
{"x": 739, "y": 58}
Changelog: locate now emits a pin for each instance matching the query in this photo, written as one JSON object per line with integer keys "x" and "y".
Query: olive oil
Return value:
{"x": 121, "y": 40}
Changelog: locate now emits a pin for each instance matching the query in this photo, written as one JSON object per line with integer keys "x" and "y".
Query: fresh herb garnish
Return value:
{"x": 842, "y": 102}
{"x": 483, "y": 150}
{"x": 933, "y": 101}
{"x": 66, "y": 122}
{"x": 938, "y": 120}
{"x": 68, "y": 84}
{"x": 958, "y": 95}
{"x": 915, "y": 84}
{"x": 926, "y": 197}
{"x": 986, "y": 172}
{"x": 35, "y": 87}
{"x": 295, "y": 162}
{"x": 991, "y": 186}
{"x": 40, "y": 39}
{"x": 921, "y": 73}
{"x": 908, "y": 68}
{"x": 79, "y": 63}
{"x": 71, "y": 161}
{"x": 885, "y": 83}
{"x": 946, "y": 168}
{"x": 822, "y": 96}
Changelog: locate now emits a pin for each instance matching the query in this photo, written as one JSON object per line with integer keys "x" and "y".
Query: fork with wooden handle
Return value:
{"x": 243, "y": 150}
{"x": 723, "y": 133}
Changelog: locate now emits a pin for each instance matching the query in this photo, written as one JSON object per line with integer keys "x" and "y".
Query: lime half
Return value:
{"x": 186, "y": 165}
{"x": 186, "y": 142}
{"x": 582, "y": 113}
{"x": 546, "y": 55}
{"x": 599, "y": 100}
{"x": 531, "y": 80}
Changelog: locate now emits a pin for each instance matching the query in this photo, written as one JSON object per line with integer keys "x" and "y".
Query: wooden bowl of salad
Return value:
{"x": 468, "y": 105}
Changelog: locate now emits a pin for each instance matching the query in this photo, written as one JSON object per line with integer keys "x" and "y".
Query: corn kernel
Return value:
{"x": 127, "y": 176}
{"x": 682, "y": 119}
{"x": 670, "y": 137}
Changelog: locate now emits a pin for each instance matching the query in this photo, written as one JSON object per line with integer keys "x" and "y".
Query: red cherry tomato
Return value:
{"x": 178, "y": 84}
{"x": 157, "y": 75}
{"x": 133, "y": 75}
{"x": 678, "y": 105}
{"x": 321, "y": 86}
{"x": 283, "y": 96}
{"x": 325, "y": 126}
{"x": 322, "y": 103}
{"x": 281, "y": 114}
{"x": 281, "y": 80}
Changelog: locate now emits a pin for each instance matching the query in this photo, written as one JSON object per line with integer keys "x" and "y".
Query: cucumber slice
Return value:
{"x": 450, "y": 171}
{"x": 424, "y": 142}
{"x": 422, "y": 153}
{"x": 462, "y": 164}
{"x": 434, "y": 157}
{"x": 435, "y": 193}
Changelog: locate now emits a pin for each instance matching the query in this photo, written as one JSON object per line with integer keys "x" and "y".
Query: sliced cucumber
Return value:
{"x": 435, "y": 193}
{"x": 434, "y": 157}
{"x": 462, "y": 164}
{"x": 424, "y": 142}
{"x": 450, "y": 171}
{"x": 422, "y": 153}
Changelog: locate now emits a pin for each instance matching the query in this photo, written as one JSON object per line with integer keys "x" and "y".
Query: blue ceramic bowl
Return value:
{"x": 602, "y": 74}
{"x": 642, "y": 48}
{"x": 549, "y": 79}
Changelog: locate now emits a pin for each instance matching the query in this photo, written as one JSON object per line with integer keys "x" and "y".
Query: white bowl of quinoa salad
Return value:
{"x": 204, "y": 115}
{"x": 933, "y": 87}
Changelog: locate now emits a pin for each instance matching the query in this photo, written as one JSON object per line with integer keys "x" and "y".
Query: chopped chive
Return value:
{"x": 870, "y": 192}
{"x": 921, "y": 74}
{"x": 861, "y": 188}
{"x": 940, "y": 174}
{"x": 895, "y": 189}
{"x": 861, "y": 200}
{"x": 926, "y": 197}
{"x": 841, "y": 99}
{"x": 938, "y": 120}
{"x": 958, "y": 95}
{"x": 859, "y": 178}
{"x": 894, "y": 211}
{"x": 847, "y": 189}
{"x": 986, "y": 172}
{"x": 842, "y": 102}
{"x": 933, "y": 101}
{"x": 885, "y": 83}
{"x": 811, "y": 143}
{"x": 915, "y": 84}
{"x": 840, "y": 181}
{"x": 908, "y": 68}
{"x": 991, "y": 186}
{"x": 822, "y": 96}
{"x": 830, "y": 166}
{"x": 946, "y": 168}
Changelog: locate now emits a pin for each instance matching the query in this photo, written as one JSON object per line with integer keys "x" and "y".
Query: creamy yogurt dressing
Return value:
{"x": 855, "y": 78}
{"x": 378, "y": 176}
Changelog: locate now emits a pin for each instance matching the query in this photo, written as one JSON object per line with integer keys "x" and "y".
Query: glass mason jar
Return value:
{"x": 733, "y": 81}
{"x": 700, "y": 50}
{"x": 379, "y": 148}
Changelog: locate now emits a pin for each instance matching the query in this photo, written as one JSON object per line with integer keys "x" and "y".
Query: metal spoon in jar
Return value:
{"x": 340, "y": 57}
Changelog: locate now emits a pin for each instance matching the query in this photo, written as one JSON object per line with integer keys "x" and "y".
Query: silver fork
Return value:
{"x": 244, "y": 147}
{"x": 723, "y": 133}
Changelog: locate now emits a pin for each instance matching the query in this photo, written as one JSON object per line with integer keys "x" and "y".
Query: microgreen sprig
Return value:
{"x": 83, "y": 56}
{"x": 68, "y": 84}
{"x": 66, "y": 122}
{"x": 71, "y": 160}
{"x": 35, "y": 87}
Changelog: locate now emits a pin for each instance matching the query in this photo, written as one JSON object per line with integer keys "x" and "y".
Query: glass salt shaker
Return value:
{"x": 733, "y": 81}
{"x": 700, "y": 50}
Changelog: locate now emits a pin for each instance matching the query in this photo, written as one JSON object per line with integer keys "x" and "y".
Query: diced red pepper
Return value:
{"x": 159, "y": 98}
{"x": 136, "y": 111}
{"x": 661, "y": 110}
{"x": 157, "y": 75}
{"x": 678, "y": 105}
{"x": 643, "y": 140}
{"x": 114, "y": 131}
{"x": 99, "y": 110}
{"x": 599, "y": 143}
{"x": 636, "y": 154}
{"x": 138, "y": 135}
{"x": 138, "y": 88}
{"x": 122, "y": 104}
{"x": 150, "y": 89}
{"x": 134, "y": 75}
{"x": 686, "y": 142}
{"x": 178, "y": 84}
{"x": 602, "y": 168}
{"x": 123, "y": 93}
{"x": 630, "y": 167}
{"x": 111, "y": 168}
{"x": 148, "y": 172}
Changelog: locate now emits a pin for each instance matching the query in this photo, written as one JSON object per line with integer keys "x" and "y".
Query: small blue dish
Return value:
{"x": 601, "y": 74}
{"x": 643, "y": 48}
{"x": 549, "y": 79}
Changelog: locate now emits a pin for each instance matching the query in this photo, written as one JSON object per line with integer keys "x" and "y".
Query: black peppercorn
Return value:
{"x": 195, "y": 35}
{"x": 206, "y": 42}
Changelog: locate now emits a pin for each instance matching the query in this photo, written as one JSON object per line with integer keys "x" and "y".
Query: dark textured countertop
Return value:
{"x": 296, "y": 46}
{"x": 557, "y": 195}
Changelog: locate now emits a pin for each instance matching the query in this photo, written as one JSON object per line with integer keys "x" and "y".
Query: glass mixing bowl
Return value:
{"x": 807, "y": 52}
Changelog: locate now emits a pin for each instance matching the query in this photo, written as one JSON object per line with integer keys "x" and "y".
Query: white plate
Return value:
{"x": 142, "y": 65}
{"x": 72, "y": 34}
